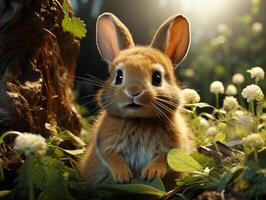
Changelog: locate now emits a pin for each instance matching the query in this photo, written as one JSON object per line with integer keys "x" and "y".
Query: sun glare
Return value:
{"x": 203, "y": 5}
{"x": 207, "y": 10}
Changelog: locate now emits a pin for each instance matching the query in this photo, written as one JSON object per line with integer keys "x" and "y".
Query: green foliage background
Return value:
{"x": 231, "y": 46}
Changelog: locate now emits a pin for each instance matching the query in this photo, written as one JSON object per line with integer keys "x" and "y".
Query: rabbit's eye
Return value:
{"x": 119, "y": 77}
{"x": 156, "y": 78}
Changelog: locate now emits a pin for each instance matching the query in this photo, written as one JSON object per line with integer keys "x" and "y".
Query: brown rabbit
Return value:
{"x": 141, "y": 119}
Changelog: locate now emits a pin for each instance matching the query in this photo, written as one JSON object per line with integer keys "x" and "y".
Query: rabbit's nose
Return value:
{"x": 133, "y": 91}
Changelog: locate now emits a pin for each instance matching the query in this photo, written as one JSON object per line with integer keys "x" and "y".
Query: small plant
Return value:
{"x": 73, "y": 25}
{"x": 47, "y": 168}
{"x": 231, "y": 157}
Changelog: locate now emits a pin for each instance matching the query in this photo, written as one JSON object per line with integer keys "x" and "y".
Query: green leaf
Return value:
{"x": 4, "y": 193}
{"x": 179, "y": 161}
{"x": 48, "y": 172}
{"x": 156, "y": 183}
{"x": 207, "y": 115}
{"x": 74, "y": 152}
{"x": 228, "y": 177}
{"x": 75, "y": 26}
{"x": 25, "y": 177}
{"x": 70, "y": 174}
{"x": 75, "y": 140}
{"x": 203, "y": 160}
{"x": 54, "y": 140}
{"x": 219, "y": 137}
{"x": 45, "y": 173}
{"x": 190, "y": 180}
{"x": 262, "y": 157}
{"x": 65, "y": 8}
{"x": 199, "y": 105}
{"x": 140, "y": 189}
{"x": 60, "y": 136}
{"x": 53, "y": 128}
{"x": 2, "y": 137}
{"x": 59, "y": 153}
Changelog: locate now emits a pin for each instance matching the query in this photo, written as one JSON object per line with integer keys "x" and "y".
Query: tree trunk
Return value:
{"x": 37, "y": 67}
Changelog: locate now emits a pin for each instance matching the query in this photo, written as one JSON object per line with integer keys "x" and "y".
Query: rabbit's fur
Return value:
{"x": 141, "y": 101}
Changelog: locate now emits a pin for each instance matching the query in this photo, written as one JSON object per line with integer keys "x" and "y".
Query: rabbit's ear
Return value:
{"x": 112, "y": 36}
{"x": 173, "y": 38}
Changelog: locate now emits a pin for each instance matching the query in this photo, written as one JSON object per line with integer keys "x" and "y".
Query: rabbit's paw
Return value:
{"x": 154, "y": 170}
{"x": 122, "y": 174}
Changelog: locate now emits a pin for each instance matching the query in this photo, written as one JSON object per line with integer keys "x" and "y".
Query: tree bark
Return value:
{"x": 37, "y": 67}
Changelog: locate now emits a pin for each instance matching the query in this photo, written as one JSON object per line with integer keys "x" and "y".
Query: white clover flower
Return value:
{"x": 212, "y": 131}
{"x": 204, "y": 123}
{"x": 252, "y": 92}
{"x": 207, "y": 170}
{"x": 231, "y": 90}
{"x": 257, "y": 27}
{"x": 217, "y": 87}
{"x": 190, "y": 96}
{"x": 30, "y": 144}
{"x": 257, "y": 73}
{"x": 253, "y": 142}
{"x": 230, "y": 104}
{"x": 244, "y": 120}
{"x": 238, "y": 79}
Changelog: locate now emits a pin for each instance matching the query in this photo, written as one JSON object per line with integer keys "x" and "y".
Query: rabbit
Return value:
{"x": 141, "y": 103}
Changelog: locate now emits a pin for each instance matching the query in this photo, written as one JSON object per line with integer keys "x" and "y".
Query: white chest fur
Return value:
{"x": 139, "y": 149}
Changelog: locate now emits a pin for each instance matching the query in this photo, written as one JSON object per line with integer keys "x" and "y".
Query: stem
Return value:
{"x": 252, "y": 110}
{"x": 73, "y": 165}
{"x": 58, "y": 3}
{"x": 2, "y": 175}
{"x": 256, "y": 157}
{"x": 7, "y": 134}
{"x": 30, "y": 162}
{"x": 218, "y": 151}
{"x": 251, "y": 107}
{"x": 217, "y": 100}
{"x": 258, "y": 113}
{"x": 239, "y": 96}
{"x": 194, "y": 114}
{"x": 31, "y": 191}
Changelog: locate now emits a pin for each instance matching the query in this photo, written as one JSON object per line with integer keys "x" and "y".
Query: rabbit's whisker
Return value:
{"x": 90, "y": 77}
{"x": 91, "y": 83}
{"x": 163, "y": 115}
{"x": 87, "y": 96}
{"x": 106, "y": 104}
{"x": 98, "y": 80}
{"x": 155, "y": 109}
{"x": 93, "y": 80}
{"x": 87, "y": 103}
{"x": 92, "y": 101}
{"x": 164, "y": 107}
{"x": 168, "y": 110}
{"x": 110, "y": 104}
{"x": 166, "y": 101}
